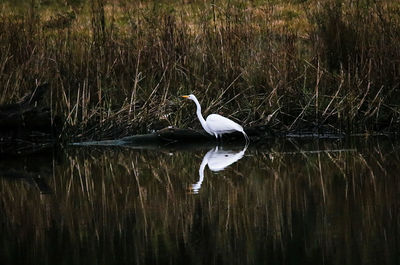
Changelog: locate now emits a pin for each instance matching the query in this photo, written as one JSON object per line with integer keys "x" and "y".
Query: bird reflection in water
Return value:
{"x": 217, "y": 159}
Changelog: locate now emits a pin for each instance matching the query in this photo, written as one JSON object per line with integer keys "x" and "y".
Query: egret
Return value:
{"x": 215, "y": 124}
{"x": 217, "y": 159}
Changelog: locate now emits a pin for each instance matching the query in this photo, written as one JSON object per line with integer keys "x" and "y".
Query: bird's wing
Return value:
{"x": 220, "y": 124}
{"x": 219, "y": 160}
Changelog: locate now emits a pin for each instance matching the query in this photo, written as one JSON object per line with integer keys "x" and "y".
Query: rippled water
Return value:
{"x": 282, "y": 202}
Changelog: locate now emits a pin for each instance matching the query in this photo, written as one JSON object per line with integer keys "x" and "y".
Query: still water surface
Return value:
{"x": 282, "y": 202}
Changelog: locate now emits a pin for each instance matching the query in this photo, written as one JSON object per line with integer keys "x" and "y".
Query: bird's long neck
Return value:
{"x": 196, "y": 187}
{"x": 201, "y": 169}
{"x": 200, "y": 116}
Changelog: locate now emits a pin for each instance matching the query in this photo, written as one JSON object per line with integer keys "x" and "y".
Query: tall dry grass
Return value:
{"x": 118, "y": 67}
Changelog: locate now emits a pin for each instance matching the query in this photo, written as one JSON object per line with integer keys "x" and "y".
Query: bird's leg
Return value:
{"x": 220, "y": 139}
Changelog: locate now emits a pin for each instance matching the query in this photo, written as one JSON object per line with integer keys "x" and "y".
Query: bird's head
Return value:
{"x": 191, "y": 96}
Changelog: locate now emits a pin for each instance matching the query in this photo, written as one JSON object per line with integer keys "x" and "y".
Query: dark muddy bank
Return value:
{"x": 30, "y": 126}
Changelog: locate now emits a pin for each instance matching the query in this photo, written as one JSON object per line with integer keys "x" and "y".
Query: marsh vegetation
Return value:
{"x": 117, "y": 67}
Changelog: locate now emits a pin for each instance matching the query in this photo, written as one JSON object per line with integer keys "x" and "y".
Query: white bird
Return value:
{"x": 217, "y": 159}
{"x": 215, "y": 124}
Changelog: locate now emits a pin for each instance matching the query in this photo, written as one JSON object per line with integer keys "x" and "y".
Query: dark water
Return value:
{"x": 283, "y": 202}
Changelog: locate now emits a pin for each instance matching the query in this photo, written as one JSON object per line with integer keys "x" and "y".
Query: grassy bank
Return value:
{"x": 117, "y": 67}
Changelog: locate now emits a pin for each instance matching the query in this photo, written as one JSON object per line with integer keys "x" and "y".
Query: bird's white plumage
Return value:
{"x": 215, "y": 124}
{"x": 217, "y": 160}
{"x": 220, "y": 125}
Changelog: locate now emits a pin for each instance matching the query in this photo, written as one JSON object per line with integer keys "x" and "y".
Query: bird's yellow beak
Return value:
{"x": 185, "y": 96}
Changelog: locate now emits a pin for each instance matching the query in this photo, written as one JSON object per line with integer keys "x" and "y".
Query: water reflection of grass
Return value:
{"x": 133, "y": 206}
